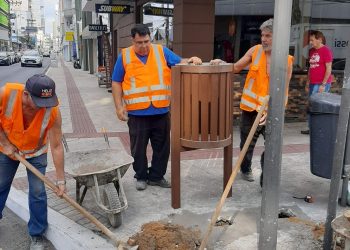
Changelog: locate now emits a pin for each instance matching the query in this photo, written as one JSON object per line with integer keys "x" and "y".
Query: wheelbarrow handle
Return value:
{"x": 71, "y": 201}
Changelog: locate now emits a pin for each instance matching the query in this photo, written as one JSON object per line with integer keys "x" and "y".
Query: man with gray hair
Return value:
{"x": 256, "y": 87}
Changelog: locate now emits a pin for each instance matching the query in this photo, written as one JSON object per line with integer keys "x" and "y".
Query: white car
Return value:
{"x": 46, "y": 54}
{"x": 31, "y": 57}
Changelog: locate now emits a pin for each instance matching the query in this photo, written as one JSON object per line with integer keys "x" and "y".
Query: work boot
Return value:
{"x": 141, "y": 185}
{"x": 37, "y": 243}
{"x": 162, "y": 183}
{"x": 248, "y": 176}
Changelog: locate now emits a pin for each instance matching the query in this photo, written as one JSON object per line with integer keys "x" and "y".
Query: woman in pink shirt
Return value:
{"x": 320, "y": 59}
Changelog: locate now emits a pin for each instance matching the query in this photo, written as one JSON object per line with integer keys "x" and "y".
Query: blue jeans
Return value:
{"x": 37, "y": 194}
{"x": 313, "y": 88}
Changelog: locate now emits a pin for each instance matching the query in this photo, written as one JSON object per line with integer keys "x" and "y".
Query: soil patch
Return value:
{"x": 165, "y": 236}
{"x": 317, "y": 229}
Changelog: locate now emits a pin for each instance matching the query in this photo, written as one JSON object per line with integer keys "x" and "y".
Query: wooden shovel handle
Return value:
{"x": 234, "y": 173}
{"x": 71, "y": 201}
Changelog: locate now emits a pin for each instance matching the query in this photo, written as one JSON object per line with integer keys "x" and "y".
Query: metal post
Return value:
{"x": 338, "y": 158}
{"x": 274, "y": 127}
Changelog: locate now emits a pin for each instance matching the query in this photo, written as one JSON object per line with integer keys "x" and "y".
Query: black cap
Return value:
{"x": 42, "y": 90}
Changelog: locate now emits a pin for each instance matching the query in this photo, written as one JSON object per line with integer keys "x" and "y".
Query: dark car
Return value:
{"x": 338, "y": 64}
{"x": 5, "y": 58}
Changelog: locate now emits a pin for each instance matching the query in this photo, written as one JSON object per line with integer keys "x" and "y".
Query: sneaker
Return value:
{"x": 141, "y": 185}
{"x": 305, "y": 132}
{"x": 162, "y": 183}
{"x": 248, "y": 176}
{"x": 37, "y": 243}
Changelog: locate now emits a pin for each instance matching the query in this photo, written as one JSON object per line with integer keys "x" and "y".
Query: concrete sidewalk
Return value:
{"x": 87, "y": 110}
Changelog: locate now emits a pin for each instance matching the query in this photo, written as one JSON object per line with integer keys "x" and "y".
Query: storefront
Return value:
{"x": 226, "y": 29}
{"x": 4, "y": 25}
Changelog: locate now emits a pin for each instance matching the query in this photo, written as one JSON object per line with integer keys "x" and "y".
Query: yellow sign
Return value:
{"x": 70, "y": 36}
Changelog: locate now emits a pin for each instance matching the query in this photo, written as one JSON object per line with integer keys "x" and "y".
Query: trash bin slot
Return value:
{"x": 205, "y": 107}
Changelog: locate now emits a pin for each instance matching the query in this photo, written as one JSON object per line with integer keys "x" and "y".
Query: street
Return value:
{"x": 13, "y": 230}
{"x": 16, "y": 73}
{"x": 14, "y": 234}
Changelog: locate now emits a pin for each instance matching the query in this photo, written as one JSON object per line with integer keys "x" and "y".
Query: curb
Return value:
{"x": 62, "y": 232}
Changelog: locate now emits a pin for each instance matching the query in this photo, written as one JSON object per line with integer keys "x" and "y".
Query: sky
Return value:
{"x": 49, "y": 6}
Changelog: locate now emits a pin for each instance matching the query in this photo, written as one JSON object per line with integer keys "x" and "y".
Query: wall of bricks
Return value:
{"x": 298, "y": 97}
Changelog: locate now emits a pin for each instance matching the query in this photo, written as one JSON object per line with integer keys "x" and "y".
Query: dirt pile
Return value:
{"x": 165, "y": 236}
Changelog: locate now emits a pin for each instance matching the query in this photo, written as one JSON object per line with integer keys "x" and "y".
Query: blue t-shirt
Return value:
{"x": 119, "y": 72}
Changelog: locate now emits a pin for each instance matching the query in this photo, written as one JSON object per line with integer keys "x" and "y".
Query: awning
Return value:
{"x": 89, "y": 6}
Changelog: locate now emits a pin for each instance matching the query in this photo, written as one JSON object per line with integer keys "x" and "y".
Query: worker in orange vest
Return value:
{"x": 141, "y": 91}
{"x": 29, "y": 121}
{"x": 256, "y": 87}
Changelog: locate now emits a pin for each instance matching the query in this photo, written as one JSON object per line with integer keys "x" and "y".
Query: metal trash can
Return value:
{"x": 324, "y": 114}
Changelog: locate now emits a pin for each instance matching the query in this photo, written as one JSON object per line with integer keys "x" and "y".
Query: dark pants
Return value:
{"x": 247, "y": 120}
{"x": 156, "y": 129}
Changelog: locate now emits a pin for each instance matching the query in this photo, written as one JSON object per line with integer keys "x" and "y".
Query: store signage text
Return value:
{"x": 154, "y": 11}
{"x": 97, "y": 27}
{"x": 112, "y": 8}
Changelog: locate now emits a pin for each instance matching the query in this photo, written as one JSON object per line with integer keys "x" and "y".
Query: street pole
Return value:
{"x": 338, "y": 158}
{"x": 274, "y": 127}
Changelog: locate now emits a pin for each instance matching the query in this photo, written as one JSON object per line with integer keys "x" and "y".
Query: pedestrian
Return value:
{"x": 320, "y": 60}
{"x": 29, "y": 121}
{"x": 141, "y": 92}
{"x": 256, "y": 87}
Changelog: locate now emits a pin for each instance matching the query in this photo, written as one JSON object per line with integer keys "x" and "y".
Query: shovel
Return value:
{"x": 71, "y": 201}
{"x": 234, "y": 174}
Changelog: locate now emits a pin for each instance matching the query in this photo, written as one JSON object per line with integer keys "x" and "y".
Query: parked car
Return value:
{"x": 5, "y": 58}
{"x": 31, "y": 57}
{"x": 12, "y": 56}
{"x": 46, "y": 54}
{"x": 18, "y": 56}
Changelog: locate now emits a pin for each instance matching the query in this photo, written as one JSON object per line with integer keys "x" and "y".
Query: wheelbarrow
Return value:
{"x": 93, "y": 168}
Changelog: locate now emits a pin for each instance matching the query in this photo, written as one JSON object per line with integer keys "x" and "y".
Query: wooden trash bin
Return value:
{"x": 201, "y": 116}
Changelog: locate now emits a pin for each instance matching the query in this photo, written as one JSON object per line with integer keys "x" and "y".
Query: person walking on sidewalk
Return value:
{"x": 29, "y": 121}
{"x": 141, "y": 91}
{"x": 256, "y": 87}
{"x": 320, "y": 60}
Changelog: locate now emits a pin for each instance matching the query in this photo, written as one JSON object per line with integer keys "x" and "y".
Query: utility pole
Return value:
{"x": 274, "y": 126}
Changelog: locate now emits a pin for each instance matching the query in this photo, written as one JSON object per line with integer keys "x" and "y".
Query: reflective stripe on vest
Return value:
{"x": 29, "y": 154}
{"x": 133, "y": 89}
{"x": 40, "y": 149}
{"x": 248, "y": 91}
{"x": 161, "y": 85}
{"x": 10, "y": 103}
{"x": 136, "y": 100}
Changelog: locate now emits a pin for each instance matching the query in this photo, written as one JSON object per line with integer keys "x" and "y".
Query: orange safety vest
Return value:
{"x": 257, "y": 83}
{"x": 31, "y": 142}
{"x": 148, "y": 83}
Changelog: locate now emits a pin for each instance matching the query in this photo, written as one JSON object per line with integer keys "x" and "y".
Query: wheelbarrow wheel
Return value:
{"x": 111, "y": 201}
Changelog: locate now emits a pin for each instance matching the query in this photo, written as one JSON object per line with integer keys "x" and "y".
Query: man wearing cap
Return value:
{"x": 29, "y": 121}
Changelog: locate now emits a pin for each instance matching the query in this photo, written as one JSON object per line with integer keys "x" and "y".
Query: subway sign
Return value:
{"x": 154, "y": 11}
{"x": 97, "y": 27}
{"x": 112, "y": 8}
